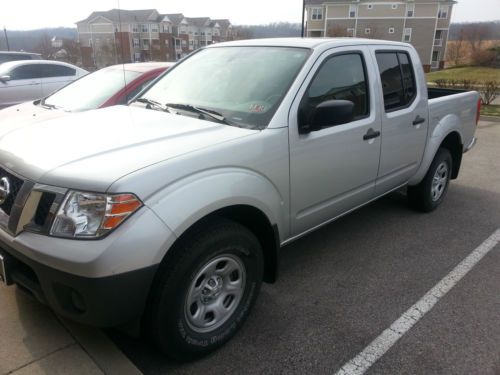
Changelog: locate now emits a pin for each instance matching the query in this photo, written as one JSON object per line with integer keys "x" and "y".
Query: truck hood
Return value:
{"x": 91, "y": 150}
{"x": 25, "y": 114}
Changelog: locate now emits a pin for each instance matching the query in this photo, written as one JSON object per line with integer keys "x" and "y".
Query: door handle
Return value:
{"x": 370, "y": 134}
{"x": 419, "y": 120}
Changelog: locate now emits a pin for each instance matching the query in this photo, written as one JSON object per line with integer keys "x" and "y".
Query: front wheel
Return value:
{"x": 430, "y": 192}
{"x": 206, "y": 290}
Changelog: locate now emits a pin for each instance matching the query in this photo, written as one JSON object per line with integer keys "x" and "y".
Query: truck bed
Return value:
{"x": 452, "y": 107}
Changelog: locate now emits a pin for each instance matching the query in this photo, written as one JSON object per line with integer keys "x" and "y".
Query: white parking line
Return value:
{"x": 378, "y": 347}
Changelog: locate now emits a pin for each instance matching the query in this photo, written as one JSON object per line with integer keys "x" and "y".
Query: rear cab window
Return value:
{"x": 397, "y": 78}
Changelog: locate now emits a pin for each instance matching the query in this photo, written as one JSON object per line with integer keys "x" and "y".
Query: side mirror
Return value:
{"x": 4, "y": 78}
{"x": 332, "y": 113}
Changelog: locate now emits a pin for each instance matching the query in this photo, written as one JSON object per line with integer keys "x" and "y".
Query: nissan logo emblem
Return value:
{"x": 4, "y": 189}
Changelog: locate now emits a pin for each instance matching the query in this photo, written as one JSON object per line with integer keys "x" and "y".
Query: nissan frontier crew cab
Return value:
{"x": 171, "y": 211}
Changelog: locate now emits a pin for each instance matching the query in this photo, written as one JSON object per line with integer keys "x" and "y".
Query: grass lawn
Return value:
{"x": 490, "y": 110}
{"x": 475, "y": 73}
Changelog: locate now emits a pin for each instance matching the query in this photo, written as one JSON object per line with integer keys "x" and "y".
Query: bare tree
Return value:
{"x": 456, "y": 49}
{"x": 243, "y": 32}
{"x": 475, "y": 35}
{"x": 44, "y": 47}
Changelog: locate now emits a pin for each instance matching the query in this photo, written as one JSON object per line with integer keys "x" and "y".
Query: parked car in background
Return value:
{"x": 6, "y": 56}
{"x": 109, "y": 86}
{"x": 25, "y": 80}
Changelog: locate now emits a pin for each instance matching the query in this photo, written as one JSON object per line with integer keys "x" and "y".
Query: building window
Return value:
{"x": 137, "y": 56}
{"x": 184, "y": 43}
{"x": 316, "y": 14}
{"x": 353, "y": 11}
{"x": 368, "y": 30}
{"x": 443, "y": 11}
{"x": 350, "y": 32}
{"x": 154, "y": 28}
{"x": 369, "y": 6}
{"x": 410, "y": 10}
{"x": 135, "y": 28}
{"x": 407, "y": 35}
{"x": 394, "y": 6}
{"x": 438, "y": 38}
{"x": 145, "y": 28}
{"x": 166, "y": 42}
{"x": 435, "y": 59}
{"x": 391, "y": 30}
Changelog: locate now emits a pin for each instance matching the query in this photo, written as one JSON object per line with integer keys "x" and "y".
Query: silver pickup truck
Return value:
{"x": 171, "y": 211}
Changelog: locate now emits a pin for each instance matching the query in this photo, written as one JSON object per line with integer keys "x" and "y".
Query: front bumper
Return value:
{"x": 101, "y": 302}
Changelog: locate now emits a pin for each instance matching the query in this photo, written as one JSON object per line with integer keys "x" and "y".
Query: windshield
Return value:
{"x": 243, "y": 84}
{"x": 91, "y": 91}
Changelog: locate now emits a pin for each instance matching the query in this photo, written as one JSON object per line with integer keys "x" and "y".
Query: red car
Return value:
{"x": 106, "y": 87}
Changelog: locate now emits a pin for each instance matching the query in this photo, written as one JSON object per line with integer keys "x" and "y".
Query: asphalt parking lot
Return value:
{"x": 343, "y": 285}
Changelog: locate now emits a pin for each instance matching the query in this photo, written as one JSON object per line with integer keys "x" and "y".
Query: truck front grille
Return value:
{"x": 10, "y": 186}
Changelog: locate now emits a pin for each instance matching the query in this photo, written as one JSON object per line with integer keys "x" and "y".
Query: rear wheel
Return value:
{"x": 429, "y": 194}
{"x": 206, "y": 290}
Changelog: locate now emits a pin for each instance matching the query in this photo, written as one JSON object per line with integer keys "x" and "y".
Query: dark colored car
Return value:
{"x": 6, "y": 56}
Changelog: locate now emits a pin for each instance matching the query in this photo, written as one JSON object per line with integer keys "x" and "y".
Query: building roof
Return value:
{"x": 124, "y": 15}
{"x": 175, "y": 18}
{"x": 224, "y": 23}
{"x": 198, "y": 21}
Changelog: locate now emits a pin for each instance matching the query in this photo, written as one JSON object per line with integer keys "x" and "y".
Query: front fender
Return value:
{"x": 186, "y": 201}
{"x": 448, "y": 124}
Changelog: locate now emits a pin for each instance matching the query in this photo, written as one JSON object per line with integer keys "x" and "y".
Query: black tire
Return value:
{"x": 420, "y": 197}
{"x": 168, "y": 320}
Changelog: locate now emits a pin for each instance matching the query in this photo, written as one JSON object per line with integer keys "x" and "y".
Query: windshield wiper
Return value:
{"x": 204, "y": 112}
{"x": 152, "y": 104}
{"x": 48, "y": 106}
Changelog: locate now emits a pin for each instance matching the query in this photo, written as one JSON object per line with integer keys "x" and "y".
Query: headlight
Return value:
{"x": 90, "y": 215}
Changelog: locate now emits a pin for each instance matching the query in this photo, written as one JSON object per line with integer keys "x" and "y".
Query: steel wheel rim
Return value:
{"x": 439, "y": 181}
{"x": 215, "y": 293}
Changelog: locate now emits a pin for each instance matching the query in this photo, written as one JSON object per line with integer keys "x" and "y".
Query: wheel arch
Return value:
{"x": 254, "y": 220}
{"x": 446, "y": 136}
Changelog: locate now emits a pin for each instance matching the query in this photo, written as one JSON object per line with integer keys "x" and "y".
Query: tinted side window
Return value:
{"x": 57, "y": 71}
{"x": 408, "y": 77}
{"x": 341, "y": 77}
{"x": 135, "y": 91}
{"x": 26, "y": 72}
{"x": 398, "y": 81}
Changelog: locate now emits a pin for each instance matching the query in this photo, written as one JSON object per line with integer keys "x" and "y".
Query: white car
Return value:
{"x": 21, "y": 81}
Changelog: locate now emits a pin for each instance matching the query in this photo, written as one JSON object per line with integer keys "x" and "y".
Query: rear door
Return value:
{"x": 404, "y": 116}
{"x": 56, "y": 76}
{"x": 334, "y": 169}
{"x": 24, "y": 85}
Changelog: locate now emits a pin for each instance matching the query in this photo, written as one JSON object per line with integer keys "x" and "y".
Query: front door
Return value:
{"x": 24, "y": 85}
{"x": 404, "y": 119}
{"x": 333, "y": 170}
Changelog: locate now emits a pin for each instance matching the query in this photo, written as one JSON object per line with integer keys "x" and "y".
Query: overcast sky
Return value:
{"x": 32, "y": 14}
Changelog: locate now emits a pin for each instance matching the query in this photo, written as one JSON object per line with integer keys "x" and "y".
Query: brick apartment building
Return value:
{"x": 423, "y": 23}
{"x": 114, "y": 36}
